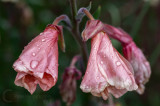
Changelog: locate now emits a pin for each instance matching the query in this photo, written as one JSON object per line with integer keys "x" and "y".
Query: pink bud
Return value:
{"x": 107, "y": 71}
{"x": 141, "y": 66}
{"x": 38, "y": 62}
{"x": 69, "y": 84}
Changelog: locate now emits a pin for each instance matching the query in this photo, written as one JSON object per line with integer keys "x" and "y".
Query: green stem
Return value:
{"x": 76, "y": 32}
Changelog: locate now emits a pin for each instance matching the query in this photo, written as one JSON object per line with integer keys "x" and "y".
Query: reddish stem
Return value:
{"x": 88, "y": 14}
{"x": 58, "y": 19}
{"x": 74, "y": 60}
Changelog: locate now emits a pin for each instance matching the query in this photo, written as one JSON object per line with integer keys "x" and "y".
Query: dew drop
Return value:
{"x": 43, "y": 40}
{"x": 39, "y": 48}
{"x": 89, "y": 63}
{"x": 104, "y": 56}
{"x": 33, "y": 54}
{"x": 34, "y": 64}
{"x": 87, "y": 87}
{"x": 97, "y": 77}
{"x": 101, "y": 62}
{"x": 41, "y": 33}
{"x": 95, "y": 48}
{"x": 118, "y": 63}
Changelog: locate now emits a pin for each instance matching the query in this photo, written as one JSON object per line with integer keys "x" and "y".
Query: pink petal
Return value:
{"x": 39, "y": 60}
{"x": 106, "y": 67}
{"x": 140, "y": 65}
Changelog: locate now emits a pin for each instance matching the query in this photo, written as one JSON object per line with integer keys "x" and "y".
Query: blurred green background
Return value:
{"x": 22, "y": 20}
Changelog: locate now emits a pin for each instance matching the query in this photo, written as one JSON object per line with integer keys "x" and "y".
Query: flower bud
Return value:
{"x": 69, "y": 84}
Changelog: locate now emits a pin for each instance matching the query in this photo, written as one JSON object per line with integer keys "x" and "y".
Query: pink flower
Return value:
{"x": 134, "y": 55}
{"x": 118, "y": 34}
{"x": 68, "y": 85}
{"x": 38, "y": 62}
{"x": 107, "y": 71}
{"x": 139, "y": 63}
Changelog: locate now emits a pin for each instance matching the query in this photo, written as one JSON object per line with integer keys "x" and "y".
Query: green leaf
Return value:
{"x": 97, "y": 13}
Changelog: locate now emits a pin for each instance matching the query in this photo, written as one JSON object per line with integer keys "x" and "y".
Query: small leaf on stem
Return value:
{"x": 81, "y": 14}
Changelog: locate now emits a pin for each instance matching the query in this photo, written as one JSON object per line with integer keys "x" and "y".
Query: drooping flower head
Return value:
{"x": 140, "y": 65}
{"x": 107, "y": 71}
{"x": 134, "y": 55}
{"x": 68, "y": 85}
{"x": 38, "y": 62}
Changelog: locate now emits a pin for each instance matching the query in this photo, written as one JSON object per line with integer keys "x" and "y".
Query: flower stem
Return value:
{"x": 76, "y": 33}
{"x": 88, "y": 14}
{"x": 74, "y": 60}
{"x": 110, "y": 100}
{"x": 58, "y": 19}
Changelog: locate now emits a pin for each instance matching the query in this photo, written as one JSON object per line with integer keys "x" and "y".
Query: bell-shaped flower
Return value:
{"x": 107, "y": 71}
{"x": 134, "y": 55}
{"x": 38, "y": 62}
{"x": 141, "y": 66}
{"x": 69, "y": 83}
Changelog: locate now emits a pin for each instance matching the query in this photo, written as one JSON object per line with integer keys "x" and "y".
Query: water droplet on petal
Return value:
{"x": 39, "y": 48}
{"x": 97, "y": 77}
{"x": 41, "y": 33}
{"x": 89, "y": 63}
{"x": 95, "y": 48}
{"x": 43, "y": 40}
{"x": 101, "y": 62}
{"x": 118, "y": 63}
{"x": 34, "y": 64}
{"x": 33, "y": 54}
{"x": 104, "y": 56}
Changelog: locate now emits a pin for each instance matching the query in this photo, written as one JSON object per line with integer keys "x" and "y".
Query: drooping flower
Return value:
{"x": 134, "y": 55}
{"x": 141, "y": 66}
{"x": 68, "y": 85}
{"x": 107, "y": 71}
{"x": 38, "y": 62}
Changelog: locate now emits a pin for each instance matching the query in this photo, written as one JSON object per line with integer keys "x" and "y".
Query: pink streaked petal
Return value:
{"x": 119, "y": 72}
{"x": 93, "y": 80}
{"x": 39, "y": 61}
{"x": 19, "y": 66}
{"x": 18, "y": 80}
{"x": 26, "y": 81}
{"x": 116, "y": 92}
{"x": 47, "y": 82}
{"x": 139, "y": 63}
{"x": 107, "y": 69}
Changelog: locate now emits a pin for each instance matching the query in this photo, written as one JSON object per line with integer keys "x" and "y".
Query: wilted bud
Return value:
{"x": 141, "y": 66}
{"x": 68, "y": 86}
